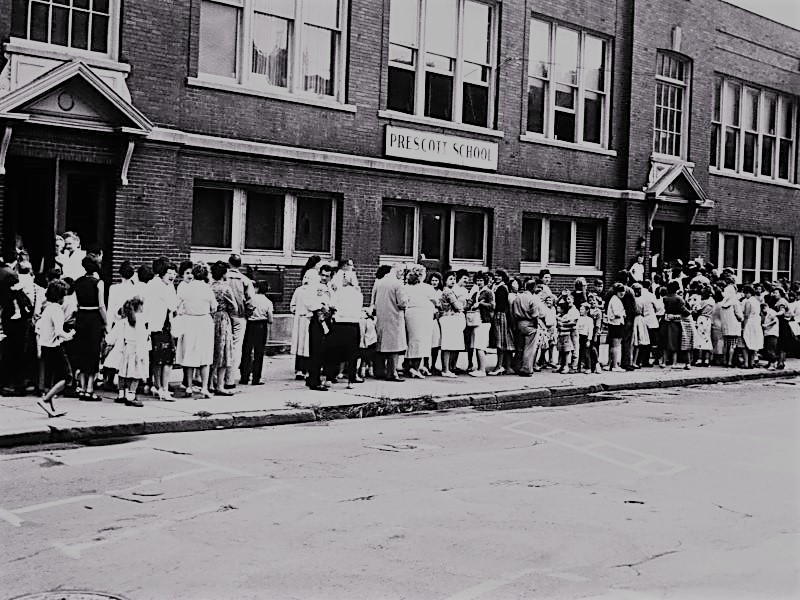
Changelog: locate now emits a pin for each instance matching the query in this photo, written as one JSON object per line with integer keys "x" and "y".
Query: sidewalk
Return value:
{"x": 282, "y": 400}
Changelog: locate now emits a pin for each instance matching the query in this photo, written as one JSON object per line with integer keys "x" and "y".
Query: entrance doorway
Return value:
{"x": 434, "y": 238}
{"x": 668, "y": 243}
{"x": 45, "y": 197}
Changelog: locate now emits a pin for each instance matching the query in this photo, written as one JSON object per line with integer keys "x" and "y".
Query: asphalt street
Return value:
{"x": 681, "y": 494}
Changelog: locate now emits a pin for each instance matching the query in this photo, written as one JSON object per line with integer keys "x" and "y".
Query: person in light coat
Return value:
{"x": 301, "y": 298}
{"x": 390, "y": 321}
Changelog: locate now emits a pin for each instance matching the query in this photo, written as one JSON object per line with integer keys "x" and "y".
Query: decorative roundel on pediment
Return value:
{"x": 66, "y": 102}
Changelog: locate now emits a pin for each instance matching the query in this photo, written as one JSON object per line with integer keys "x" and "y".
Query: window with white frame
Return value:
{"x": 269, "y": 224}
{"x": 561, "y": 242}
{"x": 87, "y": 25}
{"x": 568, "y": 84}
{"x": 670, "y": 130}
{"x": 442, "y": 59}
{"x": 753, "y": 130}
{"x": 756, "y": 257}
{"x": 294, "y": 46}
{"x": 410, "y": 231}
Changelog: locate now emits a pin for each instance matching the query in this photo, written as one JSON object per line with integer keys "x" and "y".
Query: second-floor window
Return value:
{"x": 670, "y": 130}
{"x": 283, "y": 45}
{"x": 78, "y": 24}
{"x": 753, "y": 130}
{"x": 568, "y": 84}
{"x": 442, "y": 56}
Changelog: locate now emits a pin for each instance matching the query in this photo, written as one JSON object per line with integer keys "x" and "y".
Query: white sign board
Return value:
{"x": 435, "y": 147}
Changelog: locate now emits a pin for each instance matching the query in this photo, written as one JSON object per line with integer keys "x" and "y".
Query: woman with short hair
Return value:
{"x": 196, "y": 304}
{"x": 90, "y": 324}
{"x": 420, "y": 310}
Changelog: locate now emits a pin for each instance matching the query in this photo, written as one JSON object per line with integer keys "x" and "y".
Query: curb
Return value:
{"x": 505, "y": 400}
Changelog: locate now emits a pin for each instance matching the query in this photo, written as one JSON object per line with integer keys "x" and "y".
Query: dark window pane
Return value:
{"x": 397, "y": 230}
{"x": 80, "y": 3}
{"x": 731, "y": 252}
{"x": 784, "y": 253}
{"x": 714, "y": 158}
{"x": 749, "y": 253}
{"x": 536, "y": 105}
{"x": 560, "y": 238}
{"x": 468, "y": 235}
{"x": 767, "y": 150}
{"x": 211, "y": 217}
{"x": 731, "y": 147}
{"x": 748, "y": 276}
{"x": 586, "y": 244}
{"x": 531, "y": 239}
{"x": 565, "y": 96}
{"x": 432, "y": 228}
{"x": 767, "y": 257}
{"x": 439, "y": 96}
{"x": 264, "y": 227}
{"x": 592, "y": 117}
{"x": 401, "y": 90}
{"x": 19, "y": 18}
{"x": 749, "y": 158}
{"x": 564, "y": 126}
{"x": 313, "y": 232}
{"x": 100, "y": 6}
{"x": 476, "y": 104}
{"x": 40, "y": 14}
{"x": 784, "y": 158}
{"x": 59, "y": 26}
{"x": 99, "y": 33}
{"x": 80, "y": 29}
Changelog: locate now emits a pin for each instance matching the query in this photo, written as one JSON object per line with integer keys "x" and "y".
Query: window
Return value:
{"x": 561, "y": 242}
{"x": 294, "y": 46}
{"x": 442, "y": 56}
{"x": 568, "y": 84}
{"x": 753, "y": 131}
{"x": 257, "y": 223}
{"x": 756, "y": 258}
{"x": 673, "y": 75}
{"x": 412, "y": 231}
{"x": 78, "y": 24}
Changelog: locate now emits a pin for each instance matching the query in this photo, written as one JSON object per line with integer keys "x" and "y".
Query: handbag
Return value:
{"x": 473, "y": 318}
{"x": 794, "y": 326}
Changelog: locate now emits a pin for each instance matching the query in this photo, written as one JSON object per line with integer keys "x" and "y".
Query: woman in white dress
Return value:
{"x": 419, "y": 319}
{"x": 752, "y": 332}
{"x": 434, "y": 280}
{"x": 298, "y": 306}
{"x": 196, "y": 304}
{"x": 452, "y": 322}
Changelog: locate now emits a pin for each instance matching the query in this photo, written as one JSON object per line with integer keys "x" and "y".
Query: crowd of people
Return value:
{"x": 63, "y": 334}
{"x": 59, "y": 334}
{"x": 417, "y": 324}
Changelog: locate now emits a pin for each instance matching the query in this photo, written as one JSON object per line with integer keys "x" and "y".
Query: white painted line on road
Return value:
{"x": 46, "y": 505}
{"x": 491, "y": 584}
{"x": 10, "y": 517}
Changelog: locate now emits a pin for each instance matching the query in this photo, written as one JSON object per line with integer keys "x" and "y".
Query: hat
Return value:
{"x": 637, "y": 286}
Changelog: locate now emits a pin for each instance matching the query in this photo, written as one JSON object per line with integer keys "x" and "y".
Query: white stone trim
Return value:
{"x": 753, "y": 178}
{"x": 538, "y": 139}
{"x": 339, "y": 159}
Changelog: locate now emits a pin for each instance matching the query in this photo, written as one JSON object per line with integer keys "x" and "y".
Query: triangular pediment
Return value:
{"x": 72, "y": 95}
{"x": 679, "y": 184}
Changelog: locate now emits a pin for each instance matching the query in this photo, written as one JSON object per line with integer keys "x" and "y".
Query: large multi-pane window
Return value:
{"x": 288, "y": 45}
{"x": 261, "y": 222}
{"x": 753, "y": 130}
{"x": 411, "y": 231}
{"x": 670, "y": 130}
{"x": 442, "y": 57}
{"x": 561, "y": 242}
{"x": 78, "y": 24}
{"x": 756, "y": 257}
{"x": 568, "y": 84}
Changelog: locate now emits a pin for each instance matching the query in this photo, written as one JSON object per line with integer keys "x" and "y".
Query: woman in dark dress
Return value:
{"x": 502, "y": 334}
{"x": 675, "y": 310}
{"x": 90, "y": 323}
{"x": 785, "y": 335}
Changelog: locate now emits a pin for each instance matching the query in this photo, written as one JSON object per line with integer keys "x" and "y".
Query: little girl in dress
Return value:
{"x": 131, "y": 340}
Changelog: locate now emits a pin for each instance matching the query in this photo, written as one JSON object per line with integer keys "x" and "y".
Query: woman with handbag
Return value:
{"x": 452, "y": 322}
{"x": 160, "y": 308}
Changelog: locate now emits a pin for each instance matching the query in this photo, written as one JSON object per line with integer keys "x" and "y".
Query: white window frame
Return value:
{"x": 285, "y": 256}
{"x": 549, "y": 89}
{"x": 759, "y": 275}
{"x": 717, "y": 165}
{"x": 458, "y": 81}
{"x": 113, "y": 37}
{"x": 248, "y": 80}
{"x": 455, "y": 263}
{"x": 561, "y": 268}
{"x": 686, "y": 85}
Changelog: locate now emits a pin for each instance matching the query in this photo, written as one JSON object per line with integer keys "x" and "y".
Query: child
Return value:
{"x": 131, "y": 341}
{"x": 369, "y": 343}
{"x": 585, "y": 330}
{"x": 597, "y": 317}
{"x": 551, "y": 332}
{"x": 769, "y": 321}
{"x": 50, "y": 335}
{"x": 566, "y": 327}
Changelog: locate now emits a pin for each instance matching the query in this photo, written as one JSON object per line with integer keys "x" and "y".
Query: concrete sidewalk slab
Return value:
{"x": 283, "y": 400}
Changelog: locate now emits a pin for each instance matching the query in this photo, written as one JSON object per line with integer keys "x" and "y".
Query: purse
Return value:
{"x": 473, "y": 318}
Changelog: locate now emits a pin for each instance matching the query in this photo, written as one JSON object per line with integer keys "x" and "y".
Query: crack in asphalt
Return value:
{"x": 736, "y": 512}
{"x": 652, "y": 557}
{"x": 370, "y": 497}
